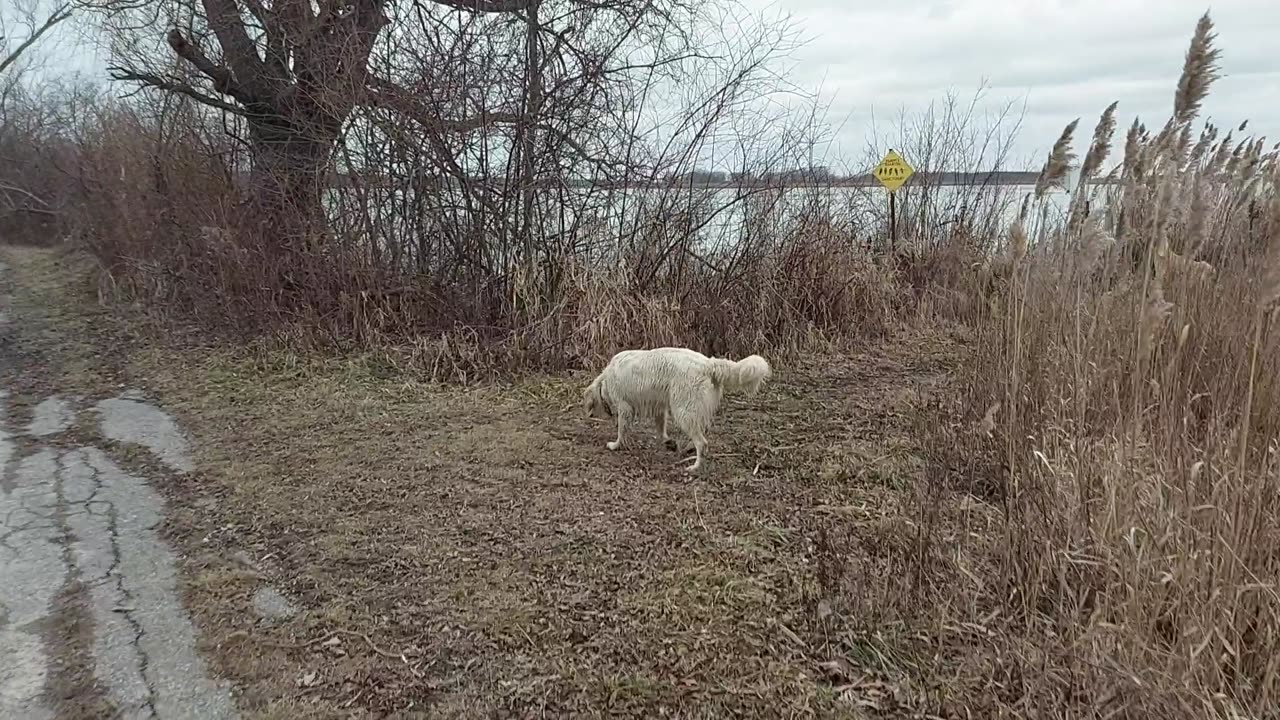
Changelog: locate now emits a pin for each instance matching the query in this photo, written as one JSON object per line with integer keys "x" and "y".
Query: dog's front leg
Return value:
{"x": 624, "y": 415}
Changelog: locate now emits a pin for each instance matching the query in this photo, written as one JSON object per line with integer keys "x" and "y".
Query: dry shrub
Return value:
{"x": 1123, "y": 411}
{"x": 809, "y": 292}
{"x": 162, "y": 214}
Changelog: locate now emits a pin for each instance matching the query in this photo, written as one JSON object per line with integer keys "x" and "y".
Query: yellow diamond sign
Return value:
{"x": 892, "y": 171}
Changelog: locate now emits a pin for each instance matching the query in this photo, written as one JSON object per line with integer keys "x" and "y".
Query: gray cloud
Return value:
{"x": 1062, "y": 58}
{"x": 1053, "y": 60}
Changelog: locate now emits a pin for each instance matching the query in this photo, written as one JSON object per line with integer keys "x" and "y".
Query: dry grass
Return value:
{"x": 1133, "y": 451}
{"x": 532, "y": 571}
{"x": 475, "y": 551}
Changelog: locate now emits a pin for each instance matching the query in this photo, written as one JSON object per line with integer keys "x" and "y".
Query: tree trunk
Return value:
{"x": 290, "y": 170}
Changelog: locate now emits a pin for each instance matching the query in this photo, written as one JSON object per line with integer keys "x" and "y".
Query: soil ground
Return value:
{"x": 477, "y": 552}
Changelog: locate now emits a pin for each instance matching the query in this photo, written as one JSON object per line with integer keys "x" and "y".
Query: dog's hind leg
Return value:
{"x": 700, "y": 447}
{"x": 694, "y": 426}
{"x": 666, "y": 436}
{"x": 624, "y": 416}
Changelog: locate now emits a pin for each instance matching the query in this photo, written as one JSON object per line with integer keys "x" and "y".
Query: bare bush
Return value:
{"x": 519, "y": 179}
{"x": 30, "y": 141}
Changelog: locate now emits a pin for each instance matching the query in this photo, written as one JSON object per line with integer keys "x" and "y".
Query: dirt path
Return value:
{"x": 355, "y": 543}
{"x": 84, "y": 571}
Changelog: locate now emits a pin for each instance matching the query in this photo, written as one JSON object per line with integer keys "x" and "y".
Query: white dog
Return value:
{"x": 666, "y": 384}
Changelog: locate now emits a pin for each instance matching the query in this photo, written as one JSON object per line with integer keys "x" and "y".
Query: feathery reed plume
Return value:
{"x": 1201, "y": 148}
{"x": 1198, "y": 218}
{"x": 1167, "y": 207}
{"x": 1271, "y": 282}
{"x": 1243, "y": 125}
{"x": 1183, "y": 268}
{"x": 1233, "y": 163}
{"x": 1093, "y": 159}
{"x": 1251, "y": 161}
{"x": 1166, "y": 141}
{"x": 1271, "y": 273}
{"x": 1058, "y": 163}
{"x": 1157, "y": 308}
{"x": 1183, "y": 145}
{"x": 1221, "y": 154}
{"x": 1017, "y": 243}
{"x": 1199, "y": 71}
{"x": 1153, "y": 317}
{"x": 1101, "y": 144}
{"x": 1269, "y": 296}
{"x": 1132, "y": 150}
{"x": 1095, "y": 242}
{"x": 1176, "y": 355}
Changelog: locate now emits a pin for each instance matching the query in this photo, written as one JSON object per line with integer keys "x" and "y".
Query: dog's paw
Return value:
{"x": 613, "y": 444}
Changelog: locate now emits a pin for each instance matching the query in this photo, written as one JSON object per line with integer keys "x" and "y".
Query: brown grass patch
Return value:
{"x": 473, "y": 551}
{"x": 523, "y": 566}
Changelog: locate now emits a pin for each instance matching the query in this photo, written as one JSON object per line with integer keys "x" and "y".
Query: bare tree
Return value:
{"x": 297, "y": 70}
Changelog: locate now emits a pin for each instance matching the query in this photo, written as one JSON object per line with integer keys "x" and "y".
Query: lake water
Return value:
{"x": 597, "y": 223}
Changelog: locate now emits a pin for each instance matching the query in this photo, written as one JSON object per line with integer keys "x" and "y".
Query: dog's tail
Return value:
{"x": 746, "y": 374}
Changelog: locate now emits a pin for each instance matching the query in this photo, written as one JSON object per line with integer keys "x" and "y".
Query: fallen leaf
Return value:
{"x": 988, "y": 424}
{"x": 835, "y": 670}
{"x": 824, "y": 609}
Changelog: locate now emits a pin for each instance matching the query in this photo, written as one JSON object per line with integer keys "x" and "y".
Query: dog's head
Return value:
{"x": 593, "y": 403}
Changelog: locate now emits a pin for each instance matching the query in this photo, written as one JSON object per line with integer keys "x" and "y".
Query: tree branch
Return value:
{"x": 486, "y": 6}
{"x": 276, "y": 53}
{"x": 238, "y": 49}
{"x": 386, "y": 94}
{"x": 222, "y": 79}
{"x": 62, "y": 12}
{"x": 168, "y": 85}
{"x": 392, "y": 97}
{"x": 6, "y": 188}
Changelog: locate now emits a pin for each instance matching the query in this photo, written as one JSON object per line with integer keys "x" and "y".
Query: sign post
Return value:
{"x": 892, "y": 172}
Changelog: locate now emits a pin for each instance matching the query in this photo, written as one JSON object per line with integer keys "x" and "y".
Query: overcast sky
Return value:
{"x": 1055, "y": 59}
{"x": 1064, "y": 58}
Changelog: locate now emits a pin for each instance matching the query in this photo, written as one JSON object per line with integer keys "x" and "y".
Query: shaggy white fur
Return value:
{"x": 670, "y": 384}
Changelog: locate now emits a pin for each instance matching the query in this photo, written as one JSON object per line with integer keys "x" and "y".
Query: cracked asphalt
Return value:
{"x": 70, "y": 514}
